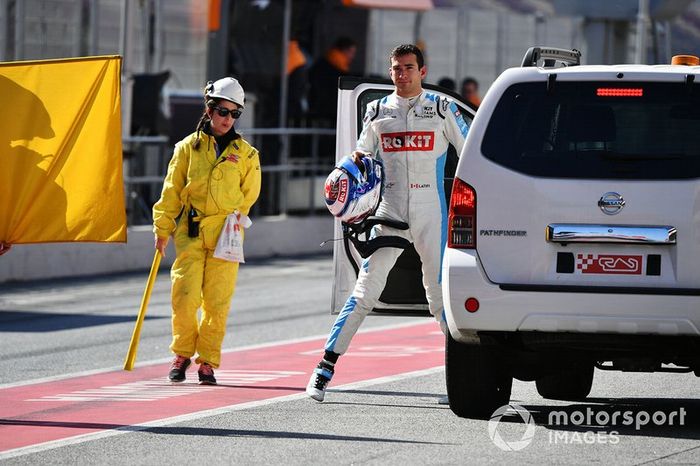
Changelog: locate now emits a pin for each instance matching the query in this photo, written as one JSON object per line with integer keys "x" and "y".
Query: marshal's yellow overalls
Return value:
{"x": 216, "y": 185}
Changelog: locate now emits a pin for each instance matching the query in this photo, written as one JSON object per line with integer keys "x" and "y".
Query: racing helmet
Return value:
{"x": 353, "y": 193}
{"x": 225, "y": 88}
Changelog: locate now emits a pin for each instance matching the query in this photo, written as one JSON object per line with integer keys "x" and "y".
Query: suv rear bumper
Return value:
{"x": 562, "y": 311}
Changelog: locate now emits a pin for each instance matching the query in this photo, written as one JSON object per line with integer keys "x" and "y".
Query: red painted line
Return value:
{"x": 43, "y": 412}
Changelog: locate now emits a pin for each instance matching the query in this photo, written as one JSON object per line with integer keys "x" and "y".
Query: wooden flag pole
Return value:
{"x": 136, "y": 335}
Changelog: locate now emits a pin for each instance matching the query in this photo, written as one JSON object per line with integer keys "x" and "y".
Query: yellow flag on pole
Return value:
{"x": 61, "y": 152}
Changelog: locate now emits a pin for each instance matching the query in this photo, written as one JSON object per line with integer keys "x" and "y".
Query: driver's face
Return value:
{"x": 406, "y": 75}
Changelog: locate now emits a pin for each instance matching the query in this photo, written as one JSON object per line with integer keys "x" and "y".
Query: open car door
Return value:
{"x": 404, "y": 293}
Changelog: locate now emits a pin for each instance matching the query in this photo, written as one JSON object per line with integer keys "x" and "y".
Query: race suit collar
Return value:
{"x": 407, "y": 101}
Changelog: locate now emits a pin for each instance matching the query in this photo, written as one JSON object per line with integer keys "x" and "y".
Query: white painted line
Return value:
{"x": 230, "y": 350}
{"x": 158, "y": 389}
{"x": 208, "y": 413}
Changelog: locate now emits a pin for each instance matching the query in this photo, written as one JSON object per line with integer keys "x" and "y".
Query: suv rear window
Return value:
{"x": 574, "y": 132}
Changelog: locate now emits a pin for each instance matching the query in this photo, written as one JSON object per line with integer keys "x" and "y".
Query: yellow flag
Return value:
{"x": 61, "y": 152}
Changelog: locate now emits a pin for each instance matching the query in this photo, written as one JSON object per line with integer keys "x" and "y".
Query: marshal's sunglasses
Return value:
{"x": 223, "y": 112}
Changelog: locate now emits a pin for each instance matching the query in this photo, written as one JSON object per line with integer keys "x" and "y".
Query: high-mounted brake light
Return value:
{"x": 461, "y": 226}
{"x": 620, "y": 92}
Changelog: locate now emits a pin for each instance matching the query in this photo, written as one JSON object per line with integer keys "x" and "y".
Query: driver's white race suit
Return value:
{"x": 411, "y": 137}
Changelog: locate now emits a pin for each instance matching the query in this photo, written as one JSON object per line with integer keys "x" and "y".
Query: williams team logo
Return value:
{"x": 609, "y": 264}
{"x": 408, "y": 140}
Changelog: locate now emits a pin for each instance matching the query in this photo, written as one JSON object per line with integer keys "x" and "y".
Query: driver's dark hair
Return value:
{"x": 406, "y": 49}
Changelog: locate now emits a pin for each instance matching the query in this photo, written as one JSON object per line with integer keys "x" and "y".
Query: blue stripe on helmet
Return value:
{"x": 349, "y": 166}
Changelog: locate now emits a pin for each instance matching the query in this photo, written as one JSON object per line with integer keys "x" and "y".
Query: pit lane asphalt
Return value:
{"x": 52, "y": 328}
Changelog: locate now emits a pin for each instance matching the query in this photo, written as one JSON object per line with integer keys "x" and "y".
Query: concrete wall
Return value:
{"x": 54, "y": 29}
{"x": 267, "y": 237}
{"x": 467, "y": 39}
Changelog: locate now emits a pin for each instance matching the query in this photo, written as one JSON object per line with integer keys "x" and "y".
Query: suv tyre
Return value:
{"x": 478, "y": 381}
{"x": 569, "y": 385}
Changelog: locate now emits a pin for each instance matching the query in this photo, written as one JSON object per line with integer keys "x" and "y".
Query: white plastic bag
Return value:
{"x": 229, "y": 247}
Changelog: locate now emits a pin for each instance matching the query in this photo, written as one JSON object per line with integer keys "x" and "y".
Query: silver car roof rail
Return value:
{"x": 550, "y": 57}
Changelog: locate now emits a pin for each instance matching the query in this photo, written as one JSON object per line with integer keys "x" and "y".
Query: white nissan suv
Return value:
{"x": 574, "y": 230}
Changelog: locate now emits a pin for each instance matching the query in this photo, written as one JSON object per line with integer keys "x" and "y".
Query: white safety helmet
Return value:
{"x": 226, "y": 88}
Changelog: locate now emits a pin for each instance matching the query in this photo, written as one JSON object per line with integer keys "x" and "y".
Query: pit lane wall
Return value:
{"x": 267, "y": 237}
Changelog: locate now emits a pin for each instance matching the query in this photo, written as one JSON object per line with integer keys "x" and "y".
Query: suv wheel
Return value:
{"x": 478, "y": 382}
{"x": 569, "y": 385}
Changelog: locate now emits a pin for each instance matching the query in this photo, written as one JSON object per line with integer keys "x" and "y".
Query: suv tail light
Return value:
{"x": 461, "y": 226}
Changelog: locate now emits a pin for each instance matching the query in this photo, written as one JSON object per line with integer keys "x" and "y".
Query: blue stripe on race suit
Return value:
{"x": 454, "y": 110}
{"x": 365, "y": 265}
{"x": 340, "y": 322}
{"x": 440, "y": 175}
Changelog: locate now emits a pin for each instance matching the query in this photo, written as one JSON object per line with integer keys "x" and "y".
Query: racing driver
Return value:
{"x": 410, "y": 131}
